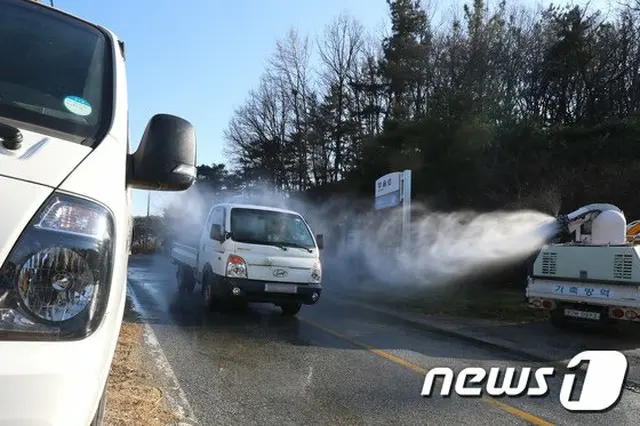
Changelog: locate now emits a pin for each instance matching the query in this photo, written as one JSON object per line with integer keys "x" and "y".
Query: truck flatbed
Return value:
{"x": 184, "y": 254}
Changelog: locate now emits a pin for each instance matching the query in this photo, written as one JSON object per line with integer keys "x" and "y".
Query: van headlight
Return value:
{"x": 55, "y": 282}
{"x": 316, "y": 274}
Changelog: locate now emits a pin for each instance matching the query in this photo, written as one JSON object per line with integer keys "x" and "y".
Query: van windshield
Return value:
{"x": 55, "y": 76}
{"x": 269, "y": 227}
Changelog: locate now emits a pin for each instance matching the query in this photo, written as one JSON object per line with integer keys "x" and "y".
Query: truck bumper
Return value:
{"x": 264, "y": 291}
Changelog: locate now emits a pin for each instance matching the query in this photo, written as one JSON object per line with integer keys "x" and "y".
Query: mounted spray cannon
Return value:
{"x": 594, "y": 224}
{"x": 593, "y": 274}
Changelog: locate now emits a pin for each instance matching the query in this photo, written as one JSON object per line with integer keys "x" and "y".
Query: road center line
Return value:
{"x": 530, "y": 418}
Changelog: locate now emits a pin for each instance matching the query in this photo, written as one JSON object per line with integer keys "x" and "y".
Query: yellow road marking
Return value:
{"x": 530, "y": 418}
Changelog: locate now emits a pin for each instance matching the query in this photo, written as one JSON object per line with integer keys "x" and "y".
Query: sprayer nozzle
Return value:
{"x": 563, "y": 223}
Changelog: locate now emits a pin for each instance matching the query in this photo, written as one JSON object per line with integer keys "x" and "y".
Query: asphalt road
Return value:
{"x": 334, "y": 364}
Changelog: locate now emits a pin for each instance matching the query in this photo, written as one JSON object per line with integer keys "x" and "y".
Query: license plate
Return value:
{"x": 582, "y": 314}
{"x": 281, "y": 288}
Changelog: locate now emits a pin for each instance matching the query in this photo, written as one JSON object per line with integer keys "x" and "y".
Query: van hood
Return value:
{"x": 20, "y": 202}
{"x": 42, "y": 159}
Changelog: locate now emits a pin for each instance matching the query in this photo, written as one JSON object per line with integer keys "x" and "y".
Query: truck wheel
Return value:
{"x": 210, "y": 301}
{"x": 98, "y": 419}
{"x": 291, "y": 309}
{"x": 186, "y": 281}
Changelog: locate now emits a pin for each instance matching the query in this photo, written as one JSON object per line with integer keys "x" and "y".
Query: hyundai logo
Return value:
{"x": 279, "y": 273}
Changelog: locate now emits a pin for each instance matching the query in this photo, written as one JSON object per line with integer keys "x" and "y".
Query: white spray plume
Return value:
{"x": 445, "y": 246}
{"x": 364, "y": 243}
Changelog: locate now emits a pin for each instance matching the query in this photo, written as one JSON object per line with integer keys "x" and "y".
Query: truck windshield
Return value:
{"x": 55, "y": 76}
{"x": 270, "y": 227}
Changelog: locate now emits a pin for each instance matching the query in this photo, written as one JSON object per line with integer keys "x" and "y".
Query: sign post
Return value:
{"x": 391, "y": 190}
{"x": 406, "y": 208}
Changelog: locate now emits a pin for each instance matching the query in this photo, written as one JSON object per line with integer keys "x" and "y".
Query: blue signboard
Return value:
{"x": 391, "y": 199}
{"x": 388, "y": 190}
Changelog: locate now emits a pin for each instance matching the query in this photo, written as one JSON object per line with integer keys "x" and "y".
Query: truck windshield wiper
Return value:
{"x": 298, "y": 246}
{"x": 281, "y": 245}
{"x": 267, "y": 243}
{"x": 260, "y": 242}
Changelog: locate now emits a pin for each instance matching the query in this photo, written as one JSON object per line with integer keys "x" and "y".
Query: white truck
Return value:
{"x": 250, "y": 253}
{"x": 593, "y": 277}
{"x": 66, "y": 177}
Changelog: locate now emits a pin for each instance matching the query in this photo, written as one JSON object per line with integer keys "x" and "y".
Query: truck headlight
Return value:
{"x": 236, "y": 267}
{"x": 316, "y": 274}
{"x": 55, "y": 282}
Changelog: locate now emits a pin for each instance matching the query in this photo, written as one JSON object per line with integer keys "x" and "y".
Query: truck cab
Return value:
{"x": 66, "y": 176}
{"x": 250, "y": 253}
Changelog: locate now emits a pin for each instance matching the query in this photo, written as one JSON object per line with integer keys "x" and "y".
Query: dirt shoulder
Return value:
{"x": 133, "y": 396}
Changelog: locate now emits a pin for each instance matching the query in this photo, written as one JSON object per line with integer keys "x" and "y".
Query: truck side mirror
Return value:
{"x": 320, "y": 241}
{"x": 166, "y": 157}
{"x": 216, "y": 233}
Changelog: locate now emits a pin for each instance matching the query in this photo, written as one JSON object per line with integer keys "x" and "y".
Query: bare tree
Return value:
{"x": 289, "y": 67}
{"x": 340, "y": 51}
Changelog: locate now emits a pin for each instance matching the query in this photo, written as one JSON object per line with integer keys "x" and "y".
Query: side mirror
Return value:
{"x": 216, "y": 233}
{"x": 166, "y": 157}
{"x": 320, "y": 241}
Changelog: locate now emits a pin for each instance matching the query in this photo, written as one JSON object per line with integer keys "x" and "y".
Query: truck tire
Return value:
{"x": 291, "y": 309}
{"x": 209, "y": 293}
{"x": 186, "y": 281}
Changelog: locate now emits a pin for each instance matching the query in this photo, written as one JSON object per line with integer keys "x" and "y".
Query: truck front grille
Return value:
{"x": 549, "y": 263}
{"x": 622, "y": 266}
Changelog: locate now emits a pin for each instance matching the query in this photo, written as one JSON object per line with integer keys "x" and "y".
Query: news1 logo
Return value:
{"x": 601, "y": 388}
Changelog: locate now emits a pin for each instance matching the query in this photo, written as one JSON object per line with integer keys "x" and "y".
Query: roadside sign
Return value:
{"x": 388, "y": 190}
{"x": 392, "y": 190}
{"x": 388, "y": 184}
{"x": 388, "y": 200}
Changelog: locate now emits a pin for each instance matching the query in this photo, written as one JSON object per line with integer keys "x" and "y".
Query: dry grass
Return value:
{"x": 502, "y": 305}
{"x": 133, "y": 399}
{"x": 495, "y": 304}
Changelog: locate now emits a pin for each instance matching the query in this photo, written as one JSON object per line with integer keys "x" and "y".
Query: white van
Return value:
{"x": 249, "y": 253}
{"x": 65, "y": 183}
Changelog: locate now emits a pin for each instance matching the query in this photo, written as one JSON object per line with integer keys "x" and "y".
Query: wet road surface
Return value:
{"x": 334, "y": 364}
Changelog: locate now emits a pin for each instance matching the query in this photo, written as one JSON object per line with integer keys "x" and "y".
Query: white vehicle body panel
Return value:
{"x": 594, "y": 294}
{"x": 60, "y": 383}
{"x": 596, "y": 276}
{"x": 185, "y": 254}
{"x": 262, "y": 260}
{"x": 42, "y": 159}
{"x": 20, "y": 201}
{"x": 592, "y": 263}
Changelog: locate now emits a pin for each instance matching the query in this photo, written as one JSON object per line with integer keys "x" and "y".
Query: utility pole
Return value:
{"x": 148, "y": 225}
